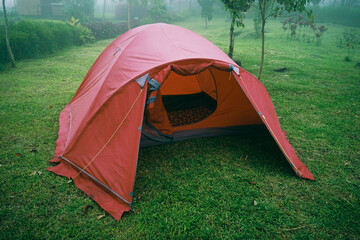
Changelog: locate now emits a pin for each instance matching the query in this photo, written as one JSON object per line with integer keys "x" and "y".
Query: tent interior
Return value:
{"x": 208, "y": 103}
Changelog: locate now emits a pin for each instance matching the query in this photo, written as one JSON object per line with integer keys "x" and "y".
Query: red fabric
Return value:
{"x": 100, "y": 128}
{"x": 259, "y": 97}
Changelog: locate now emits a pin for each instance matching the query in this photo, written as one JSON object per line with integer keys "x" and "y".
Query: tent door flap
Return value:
{"x": 153, "y": 134}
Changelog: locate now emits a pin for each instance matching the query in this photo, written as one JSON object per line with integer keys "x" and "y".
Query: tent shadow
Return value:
{"x": 257, "y": 153}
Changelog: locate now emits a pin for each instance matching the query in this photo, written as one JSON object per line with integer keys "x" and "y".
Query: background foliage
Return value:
{"x": 348, "y": 16}
{"x": 108, "y": 29}
{"x": 35, "y": 38}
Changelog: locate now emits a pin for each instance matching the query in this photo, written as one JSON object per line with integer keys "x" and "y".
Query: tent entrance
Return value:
{"x": 188, "y": 108}
{"x": 189, "y": 99}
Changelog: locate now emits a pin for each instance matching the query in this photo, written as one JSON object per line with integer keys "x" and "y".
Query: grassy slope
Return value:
{"x": 203, "y": 188}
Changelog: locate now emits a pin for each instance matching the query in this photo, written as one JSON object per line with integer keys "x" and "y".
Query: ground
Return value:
{"x": 224, "y": 187}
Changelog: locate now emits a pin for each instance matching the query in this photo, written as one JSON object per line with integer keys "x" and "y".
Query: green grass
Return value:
{"x": 202, "y": 188}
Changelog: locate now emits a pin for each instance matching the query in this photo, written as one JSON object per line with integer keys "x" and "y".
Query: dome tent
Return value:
{"x": 155, "y": 84}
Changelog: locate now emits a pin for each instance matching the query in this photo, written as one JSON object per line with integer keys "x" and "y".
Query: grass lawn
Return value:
{"x": 235, "y": 187}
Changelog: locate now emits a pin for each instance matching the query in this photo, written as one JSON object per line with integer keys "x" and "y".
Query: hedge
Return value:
{"x": 107, "y": 29}
{"x": 35, "y": 38}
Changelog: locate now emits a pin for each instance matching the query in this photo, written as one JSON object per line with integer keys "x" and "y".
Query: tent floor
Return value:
{"x": 188, "y": 116}
{"x": 187, "y": 109}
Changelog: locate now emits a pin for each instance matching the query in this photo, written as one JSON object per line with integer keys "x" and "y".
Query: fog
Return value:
{"x": 344, "y": 12}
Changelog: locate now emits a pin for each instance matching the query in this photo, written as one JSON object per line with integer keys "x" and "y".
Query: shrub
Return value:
{"x": 35, "y": 38}
{"x": 180, "y": 16}
{"x": 349, "y": 39}
{"x": 80, "y": 9}
{"x": 83, "y": 33}
{"x": 158, "y": 12}
{"x": 304, "y": 27}
{"x": 105, "y": 30}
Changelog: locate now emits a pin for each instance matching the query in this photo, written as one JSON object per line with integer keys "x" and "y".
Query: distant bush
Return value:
{"x": 105, "y": 30}
{"x": 35, "y": 38}
{"x": 158, "y": 12}
{"x": 349, "y": 40}
{"x": 180, "y": 16}
{"x": 303, "y": 28}
{"x": 338, "y": 15}
{"x": 138, "y": 12}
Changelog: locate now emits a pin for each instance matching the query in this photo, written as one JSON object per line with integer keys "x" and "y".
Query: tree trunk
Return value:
{"x": 129, "y": 13}
{"x": 7, "y": 36}
{"x": 206, "y": 22}
{"x": 232, "y": 37}
{"x": 104, "y": 7}
{"x": 262, "y": 8}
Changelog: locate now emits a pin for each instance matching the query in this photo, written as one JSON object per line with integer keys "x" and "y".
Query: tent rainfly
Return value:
{"x": 156, "y": 84}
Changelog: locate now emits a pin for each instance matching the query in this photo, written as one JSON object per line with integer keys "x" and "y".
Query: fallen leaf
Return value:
{"x": 39, "y": 172}
{"x": 18, "y": 154}
{"x": 246, "y": 157}
{"x": 255, "y": 203}
{"x": 100, "y": 217}
{"x": 253, "y": 183}
{"x": 86, "y": 208}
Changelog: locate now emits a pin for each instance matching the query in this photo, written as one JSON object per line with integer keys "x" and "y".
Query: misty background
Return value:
{"x": 346, "y": 12}
{"x": 41, "y": 27}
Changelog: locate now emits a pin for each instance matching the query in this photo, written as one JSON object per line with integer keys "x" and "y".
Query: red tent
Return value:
{"x": 155, "y": 84}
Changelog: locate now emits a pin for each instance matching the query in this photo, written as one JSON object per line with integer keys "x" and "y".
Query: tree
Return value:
{"x": 315, "y": 2}
{"x": 104, "y": 8}
{"x": 348, "y": 39}
{"x": 207, "y": 7}
{"x": 11, "y": 55}
{"x": 236, "y": 8}
{"x": 81, "y": 9}
{"x": 129, "y": 14}
{"x": 275, "y": 8}
{"x": 348, "y": 3}
{"x": 131, "y": 3}
{"x": 158, "y": 11}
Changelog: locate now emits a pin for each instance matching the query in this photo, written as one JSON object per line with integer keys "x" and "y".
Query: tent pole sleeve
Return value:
{"x": 96, "y": 180}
